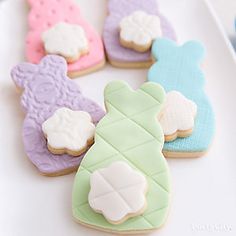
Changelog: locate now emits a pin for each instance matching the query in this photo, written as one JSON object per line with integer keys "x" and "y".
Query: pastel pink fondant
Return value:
{"x": 46, "y": 88}
{"x": 46, "y": 13}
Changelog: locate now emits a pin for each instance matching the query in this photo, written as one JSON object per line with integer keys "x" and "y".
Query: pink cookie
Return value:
{"x": 47, "y": 88}
{"x": 46, "y": 13}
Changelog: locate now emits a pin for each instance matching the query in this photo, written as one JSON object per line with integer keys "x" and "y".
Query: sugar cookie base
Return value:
{"x": 60, "y": 173}
{"x": 140, "y": 212}
{"x": 74, "y": 74}
{"x": 70, "y": 152}
{"x": 178, "y": 134}
{"x": 114, "y": 231}
{"x": 76, "y": 58}
{"x": 69, "y": 59}
{"x": 170, "y": 154}
{"x": 135, "y": 47}
{"x": 131, "y": 65}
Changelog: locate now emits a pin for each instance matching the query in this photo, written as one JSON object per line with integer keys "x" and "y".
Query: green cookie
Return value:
{"x": 130, "y": 132}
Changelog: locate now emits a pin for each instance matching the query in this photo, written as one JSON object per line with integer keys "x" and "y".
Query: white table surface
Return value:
{"x": 226, "y": 11}
{"x": 204, "y": 189}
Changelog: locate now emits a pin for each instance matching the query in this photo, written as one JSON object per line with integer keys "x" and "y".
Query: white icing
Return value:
{"x": 117, "y": 191}
{"x": 67, "y": 129}
{"x": 178, "y": 113}
{"x": 66, "y": 40}
{"x": 140, "y": 28}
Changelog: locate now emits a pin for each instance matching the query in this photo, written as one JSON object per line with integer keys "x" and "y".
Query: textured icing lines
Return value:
{"x": 133, "y": 121}
{"x": 126, "y": 158}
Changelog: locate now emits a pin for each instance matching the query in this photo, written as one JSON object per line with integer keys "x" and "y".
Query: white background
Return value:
{"x": 204, "y": 189}
{"x": 226, "y": 11}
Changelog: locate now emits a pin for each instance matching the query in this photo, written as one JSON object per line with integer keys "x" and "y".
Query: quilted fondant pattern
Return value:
{"x": 46, "y": 13}
{"x": 118, "y": 9}
{"x": 131, "y": 133}
{"x": 47, "y": 88}
{"x": 178, "y": 68}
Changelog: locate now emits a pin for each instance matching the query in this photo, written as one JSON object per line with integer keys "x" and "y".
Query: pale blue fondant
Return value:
{"x": 178, "y": 68}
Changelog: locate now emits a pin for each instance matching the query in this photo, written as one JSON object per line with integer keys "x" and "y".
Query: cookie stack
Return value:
{"x": 122, "y": 183}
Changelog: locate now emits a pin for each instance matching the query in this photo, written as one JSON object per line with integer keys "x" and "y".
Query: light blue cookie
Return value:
{"x": 178, "y": 68}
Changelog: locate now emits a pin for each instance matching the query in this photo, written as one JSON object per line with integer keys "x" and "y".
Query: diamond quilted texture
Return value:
{"x": 127, "y": 134}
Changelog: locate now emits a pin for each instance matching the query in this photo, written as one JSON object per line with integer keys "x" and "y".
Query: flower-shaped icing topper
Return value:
{"x": 138, "y": 30}
{"x": 177, "y": 118}
{"x": 67, "y": 40}
{"x": 118, "y": 192}
{"x": 69, "y": 131}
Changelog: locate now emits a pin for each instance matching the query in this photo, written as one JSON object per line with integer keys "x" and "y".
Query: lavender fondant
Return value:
{"x": 47, "y": 88}
{"x": 118, "y": 9}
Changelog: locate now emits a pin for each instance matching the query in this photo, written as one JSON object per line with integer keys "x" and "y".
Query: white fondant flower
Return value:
{"x": 178, "y": 113}
{"x": 69, "y": 130}
{"x": 118, "y": 192}
{"x": 66, "y": 40}
{"x": 140, "y": 29}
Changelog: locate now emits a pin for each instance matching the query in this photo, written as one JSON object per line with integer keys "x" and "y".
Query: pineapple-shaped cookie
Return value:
{"x": 129, "y": 133}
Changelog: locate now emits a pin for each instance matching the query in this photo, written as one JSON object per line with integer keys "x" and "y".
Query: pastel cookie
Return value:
{"x": 68, "y": 131}
{"x": 177, "y": 117}
{"x": 119, "y": 10}
{"x": 43, "y": 17}
{"x": 131, "y": 134}
{"x": 118, "y": 196}
{"x": 46, "y": 88}
{"x": 138, "y": 30}
{"x": 178, "y": 68}
{"x": 66, "y": 40}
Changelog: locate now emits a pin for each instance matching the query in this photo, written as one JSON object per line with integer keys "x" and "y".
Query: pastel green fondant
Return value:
{"x": 131, "y": 133}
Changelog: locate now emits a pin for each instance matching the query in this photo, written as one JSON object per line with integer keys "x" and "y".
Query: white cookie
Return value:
{"x": 66, "y": 40}
{"x": 68, "y": 131}
{"x": 118, "y": 192}
{"x": 138, "y": 30}
{"x": 177, "y": 117}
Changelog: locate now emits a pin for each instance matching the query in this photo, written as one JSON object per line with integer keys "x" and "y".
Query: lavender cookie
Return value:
{"x": 119, "y": 55}
{"x": 47, "y": 88}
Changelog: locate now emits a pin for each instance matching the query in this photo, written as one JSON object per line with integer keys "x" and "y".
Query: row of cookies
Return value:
{"x": 57, "y": 27}
{"x": 129, "y": 139}
{"x": 123, "y": 180}
{"x": 186, "y": 113}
